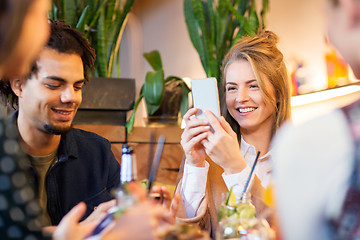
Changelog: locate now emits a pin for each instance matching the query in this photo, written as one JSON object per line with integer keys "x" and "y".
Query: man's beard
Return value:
{"x": 49, "y": 128}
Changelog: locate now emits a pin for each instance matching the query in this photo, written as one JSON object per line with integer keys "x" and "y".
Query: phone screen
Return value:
{"x": 205, "y": 96}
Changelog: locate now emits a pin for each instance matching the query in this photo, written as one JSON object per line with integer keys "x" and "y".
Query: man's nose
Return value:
{"x": 68, "y": 95}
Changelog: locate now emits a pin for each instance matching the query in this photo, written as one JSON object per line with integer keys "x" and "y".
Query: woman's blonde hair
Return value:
{"x": 266, "y": 60}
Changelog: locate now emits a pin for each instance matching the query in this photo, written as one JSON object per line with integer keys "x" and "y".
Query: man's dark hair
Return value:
{"x": 63, "y": 39}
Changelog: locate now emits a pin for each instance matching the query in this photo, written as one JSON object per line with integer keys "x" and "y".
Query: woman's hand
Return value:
{"x": 196, "y": 130}
{"x": 222, "y": 146}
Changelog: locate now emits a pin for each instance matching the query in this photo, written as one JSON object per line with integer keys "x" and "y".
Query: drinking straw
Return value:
{"x": 151, "y": 151}
{"x": 251, "y": 172}
{"x": 156, "y": 161}
{"x": 228, "y": 197}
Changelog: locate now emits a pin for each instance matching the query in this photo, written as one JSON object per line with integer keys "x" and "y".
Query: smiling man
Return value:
{"x": 70, "y": 165}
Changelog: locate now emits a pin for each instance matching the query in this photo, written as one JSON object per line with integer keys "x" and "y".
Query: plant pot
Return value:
{"x": 106, "y": 101}
{"x": 168, "y": 112}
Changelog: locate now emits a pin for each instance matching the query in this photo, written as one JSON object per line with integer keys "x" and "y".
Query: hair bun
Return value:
{"x": 269, "y": 35}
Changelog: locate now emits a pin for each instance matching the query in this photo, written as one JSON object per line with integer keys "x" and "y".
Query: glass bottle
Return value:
{"x": 244, "y": 208}
{"x": 226, "y": 209}
{"x": 128, "y": 173}
{"x": 237, "y": 225}
{"x": 128, "y": 169}
{"x": 124, "y": 201}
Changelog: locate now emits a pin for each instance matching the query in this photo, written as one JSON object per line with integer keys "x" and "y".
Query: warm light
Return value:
{"x": 323, "y": 95}
{"x": 187, "y": 81}
{"x": 183, "y": 125}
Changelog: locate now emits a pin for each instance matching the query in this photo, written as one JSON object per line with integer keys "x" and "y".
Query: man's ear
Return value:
{"x": 16, "y": 86}
{"x": 352, "y": 8}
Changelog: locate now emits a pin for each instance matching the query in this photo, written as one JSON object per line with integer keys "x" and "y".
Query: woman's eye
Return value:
{"x": 230, "y": 89}
{"x": 254, "y": 86}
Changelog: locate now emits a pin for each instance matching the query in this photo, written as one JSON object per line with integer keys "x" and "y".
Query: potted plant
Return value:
{"x": 164, "y": 97}
{"x": 215, "y": 26}
{"x": 102, "y": 22}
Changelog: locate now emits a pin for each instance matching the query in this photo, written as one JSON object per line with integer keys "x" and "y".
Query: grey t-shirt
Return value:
{"x": 42, "y": 165}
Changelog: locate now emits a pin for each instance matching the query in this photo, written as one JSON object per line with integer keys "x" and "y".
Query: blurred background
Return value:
{"x": 160, "y": 25}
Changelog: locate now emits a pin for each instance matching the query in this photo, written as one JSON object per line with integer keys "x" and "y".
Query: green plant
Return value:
{"x": 102, "y": 22}
{"x": 215, "y": 27}
{"x": 154, "y": 87}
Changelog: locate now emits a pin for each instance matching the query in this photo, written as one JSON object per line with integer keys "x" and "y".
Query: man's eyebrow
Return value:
{"x": 62, "y": 80}
{"x": 55, "y": 78}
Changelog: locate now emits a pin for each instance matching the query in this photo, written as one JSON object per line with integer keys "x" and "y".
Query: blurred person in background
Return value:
{"x": 317, "y": 164}
{"x": 24, "y": 30}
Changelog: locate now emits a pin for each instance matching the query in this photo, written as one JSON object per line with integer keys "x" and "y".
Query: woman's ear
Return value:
{"x": 16, "y": 86}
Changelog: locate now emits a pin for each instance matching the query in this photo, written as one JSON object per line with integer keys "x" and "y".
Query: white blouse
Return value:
{"x": 192, "y": 194}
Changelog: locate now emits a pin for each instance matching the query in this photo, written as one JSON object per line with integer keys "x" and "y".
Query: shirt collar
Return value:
{"x": 246, "y": 148}
{"x": 68, "y": 147}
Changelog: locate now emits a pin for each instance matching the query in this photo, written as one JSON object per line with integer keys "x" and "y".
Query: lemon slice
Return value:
{"x": 232, "y": 199}
{"x": 247, "y": 212}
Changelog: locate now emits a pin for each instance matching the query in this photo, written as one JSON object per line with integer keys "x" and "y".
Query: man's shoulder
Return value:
{"x": 322, "y": 137}
{"x": 321, "y": 126}
{"x": 83, "y": 135}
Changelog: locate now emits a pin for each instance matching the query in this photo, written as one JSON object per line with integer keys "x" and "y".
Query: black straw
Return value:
{"x": 251, "y": 172}
{"x": 156, "y": 161}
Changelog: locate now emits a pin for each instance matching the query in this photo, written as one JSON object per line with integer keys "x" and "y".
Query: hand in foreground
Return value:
{"x": 141, "y": 222}
{"x": 172, "y": 205}
{"x": 222, "y": 146}
{"x": 99, "y": 212}
{"x": 196, "y": 130}
{"x": 161, "y": 195}
{"x": 94, "y": 218}
{"x": 70, "y": 228}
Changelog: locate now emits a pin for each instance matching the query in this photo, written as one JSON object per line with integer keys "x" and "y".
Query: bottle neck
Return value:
{"x": 245, "y": 198}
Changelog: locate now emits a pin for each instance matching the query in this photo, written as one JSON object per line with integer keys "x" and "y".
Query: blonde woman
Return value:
{"x": 257, "y": 101}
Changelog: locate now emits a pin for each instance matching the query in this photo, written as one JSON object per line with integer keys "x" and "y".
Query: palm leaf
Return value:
{"x": 154, "y": 60}
{"x": 69, "y": 12}
{"x": 264, "y": 11}
{"x": 193, "y": 30}
{"x": 81, "y": 23}
{"x": 253, "y": 21}
{"x": 101, "y": 55}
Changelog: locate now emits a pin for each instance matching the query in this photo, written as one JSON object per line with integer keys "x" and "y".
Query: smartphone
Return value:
{"x": 205, "y": 96}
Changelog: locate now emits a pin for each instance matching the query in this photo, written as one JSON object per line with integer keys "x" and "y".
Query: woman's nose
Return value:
{"x": 242, "y": 96}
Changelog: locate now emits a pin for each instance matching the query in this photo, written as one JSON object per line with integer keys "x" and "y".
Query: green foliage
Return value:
{"x": 102, "y": 22}
{"x": 153, "y": 89}
{"x": 215, "y": 26}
